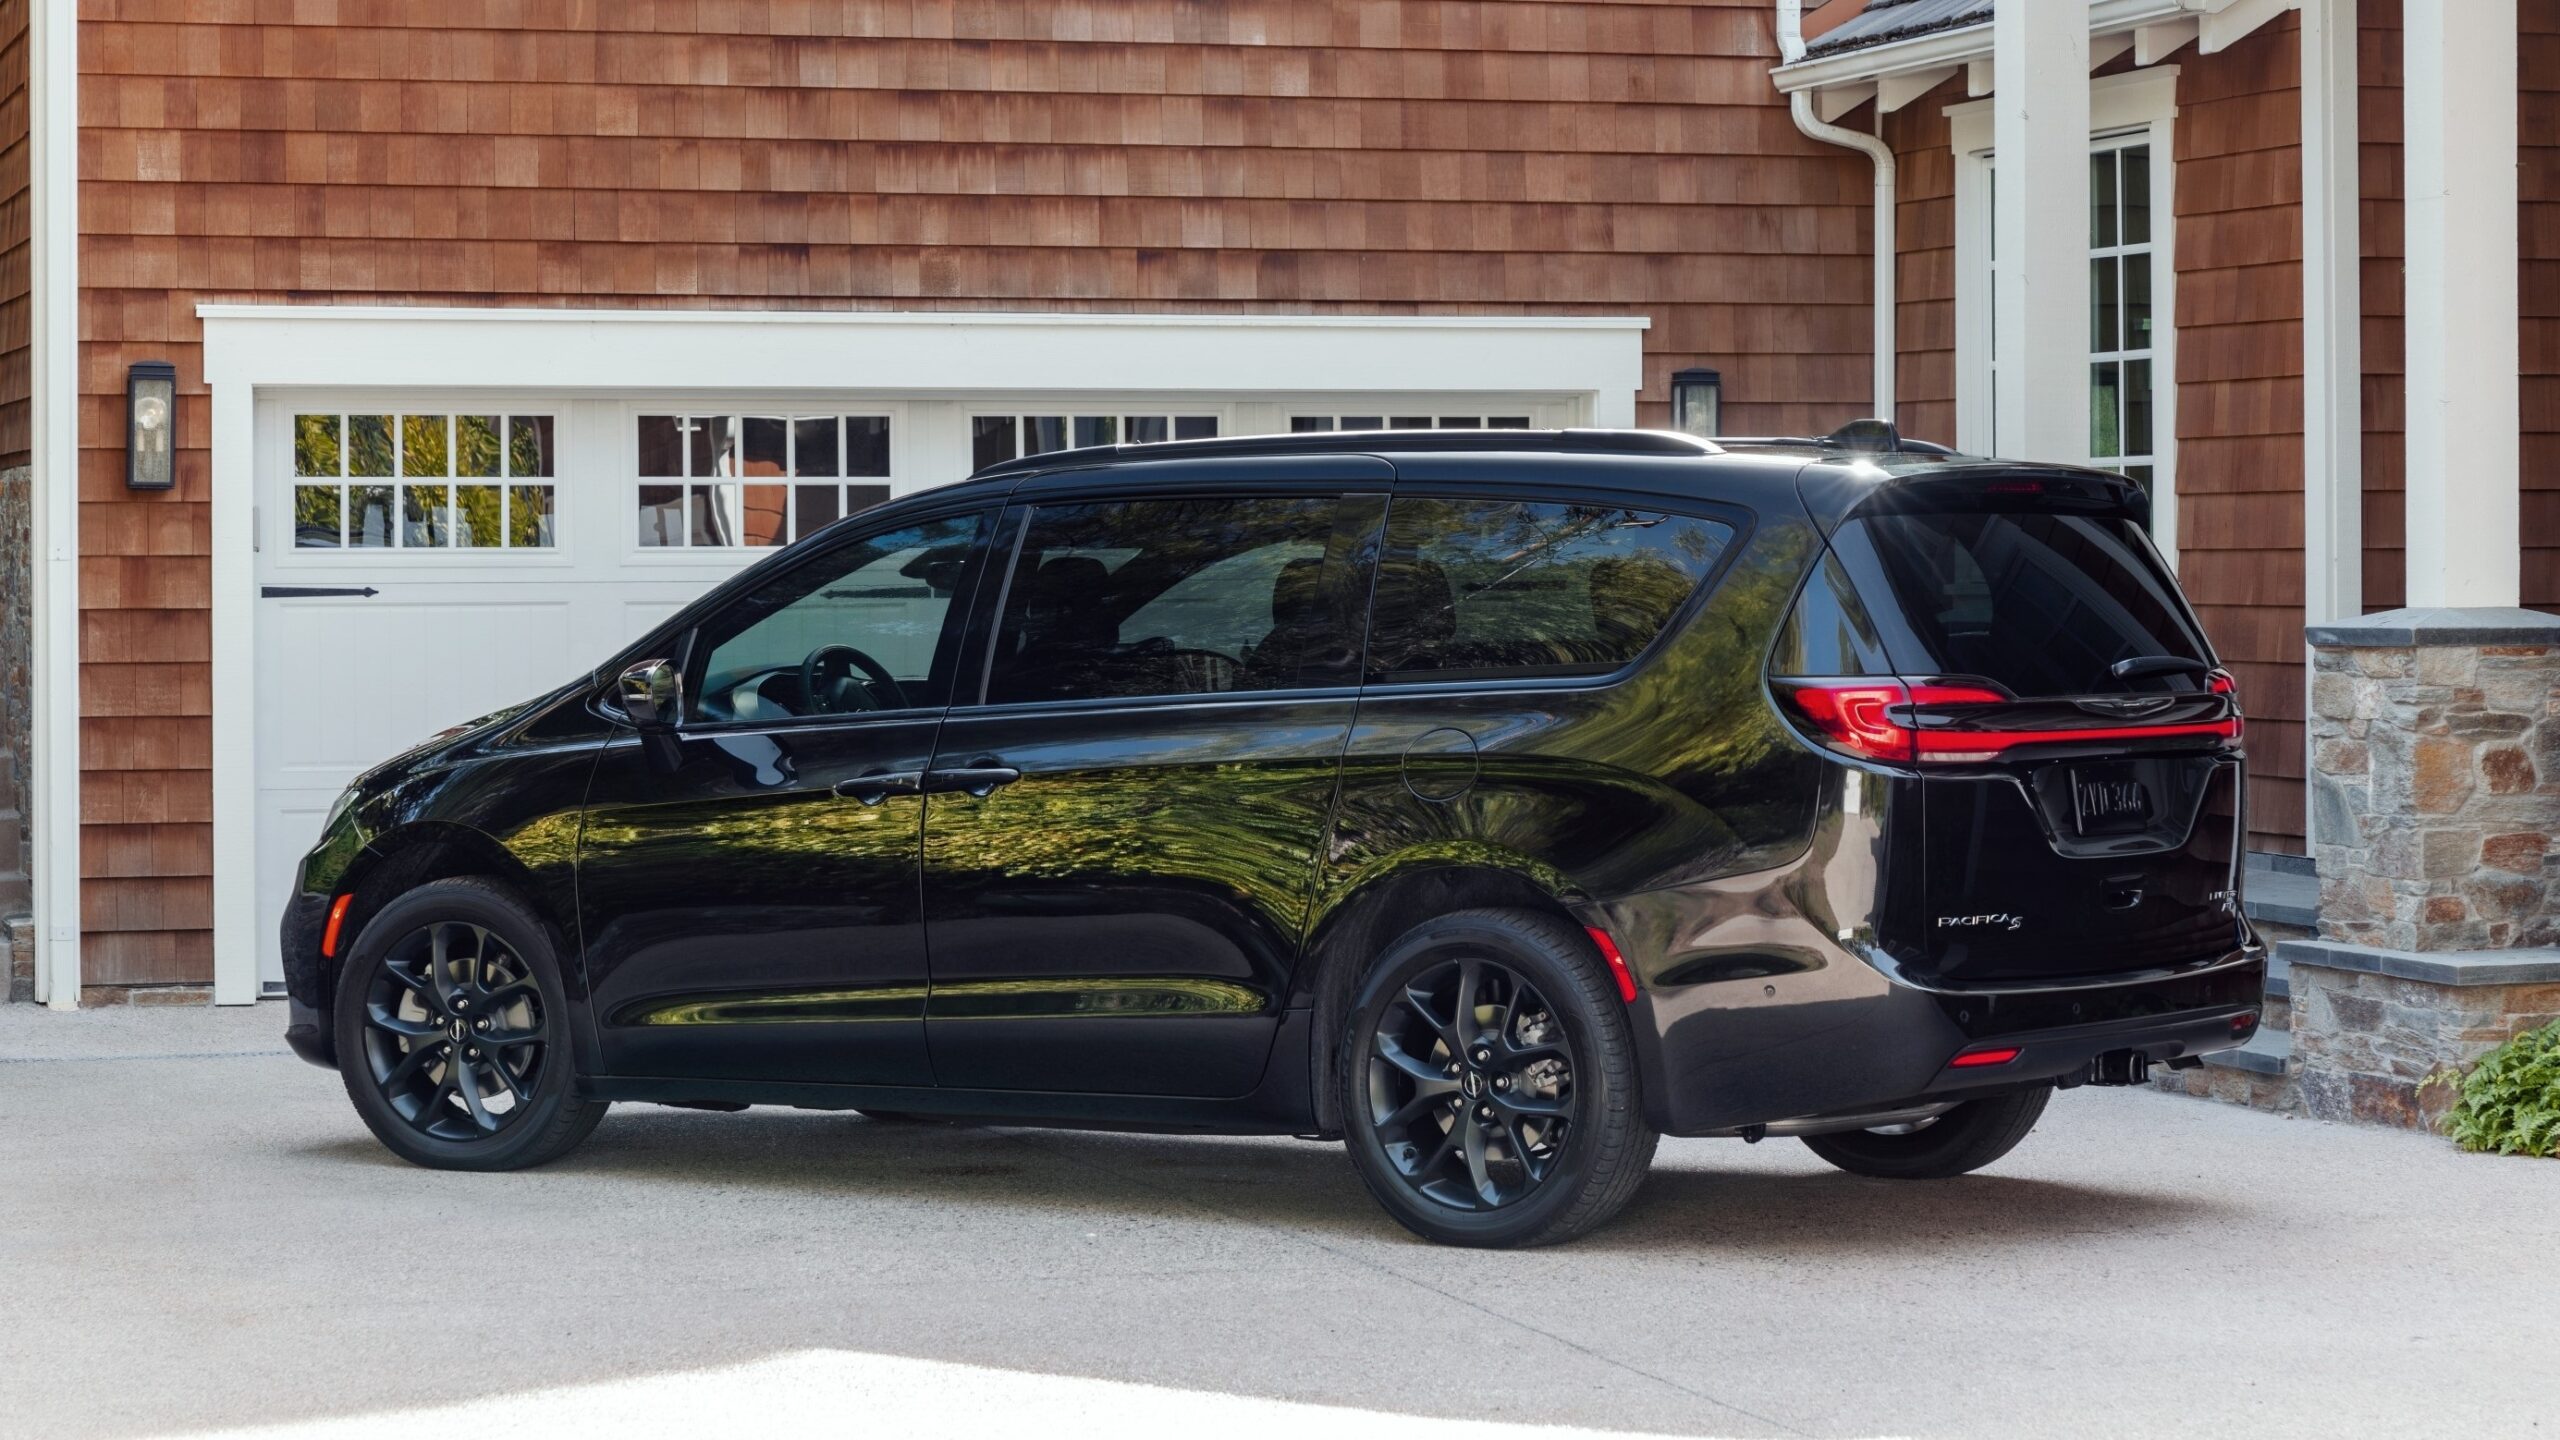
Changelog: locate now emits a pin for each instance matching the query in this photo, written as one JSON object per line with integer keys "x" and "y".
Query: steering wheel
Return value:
{"x": 1203, "y": 671}
{"x": 825, "y": 677}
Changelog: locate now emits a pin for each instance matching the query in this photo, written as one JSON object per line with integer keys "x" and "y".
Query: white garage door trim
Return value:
{"x": 1256, "y": 368}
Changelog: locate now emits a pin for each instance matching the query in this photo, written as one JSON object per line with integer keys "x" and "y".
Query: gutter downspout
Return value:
{"x": 1791, "y": 50}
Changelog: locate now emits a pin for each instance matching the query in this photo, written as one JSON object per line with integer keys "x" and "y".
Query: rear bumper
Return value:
{"x": 1714, "y": 1067}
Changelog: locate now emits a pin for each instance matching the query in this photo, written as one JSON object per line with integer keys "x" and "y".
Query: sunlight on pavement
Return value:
{"x": 836, "y": 1391}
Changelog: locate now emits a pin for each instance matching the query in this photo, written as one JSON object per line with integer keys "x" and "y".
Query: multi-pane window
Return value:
{"x": 756, "y": 480}
{"x": 997, "y": 438}
{"x": 423, "y": 482}
{"x": 1301, "y": 424}
{"x": 2120, "y": 337}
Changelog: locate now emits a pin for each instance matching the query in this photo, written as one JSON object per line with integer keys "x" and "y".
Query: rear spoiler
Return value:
{"x": 1833, "y": 493}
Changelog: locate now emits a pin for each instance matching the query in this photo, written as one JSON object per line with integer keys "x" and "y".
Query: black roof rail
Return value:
{"x": 1865, "y": 437}
{"x": 1368, "y": 442}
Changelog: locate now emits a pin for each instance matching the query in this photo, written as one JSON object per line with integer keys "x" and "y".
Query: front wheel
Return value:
{"x": 1958, "y": 1142}
{"x": 1488, "y": 1083}
{"x": 453, "y": 1033}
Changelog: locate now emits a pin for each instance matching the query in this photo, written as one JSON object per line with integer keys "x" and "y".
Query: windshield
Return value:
{"x": 2041, "y": 603}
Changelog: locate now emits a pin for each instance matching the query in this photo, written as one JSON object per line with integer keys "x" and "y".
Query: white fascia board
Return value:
{"x": 1973, "y": 42}
{"x": 917, "y": 353}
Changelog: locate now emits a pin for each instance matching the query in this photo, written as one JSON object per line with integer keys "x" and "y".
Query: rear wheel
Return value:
{"x": 453, "y": 1033}
{"x": 1488, "y": 1083}
{"x": 1958, "y": 1142}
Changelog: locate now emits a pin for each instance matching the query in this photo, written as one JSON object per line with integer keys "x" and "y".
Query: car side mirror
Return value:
{"x": 652, "y": 694}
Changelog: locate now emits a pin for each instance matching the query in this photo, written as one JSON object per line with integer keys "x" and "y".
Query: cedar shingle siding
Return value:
{"x": 2239, "y": 318}
{"x": 1389, "y": 156}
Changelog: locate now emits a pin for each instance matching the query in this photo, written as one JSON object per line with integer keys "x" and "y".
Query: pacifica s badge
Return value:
{"x": 2001, "y": 920}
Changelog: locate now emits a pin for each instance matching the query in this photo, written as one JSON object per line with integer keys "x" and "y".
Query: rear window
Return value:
{"x": 2041, "y": 603}
{"x": 1494, "y": 589}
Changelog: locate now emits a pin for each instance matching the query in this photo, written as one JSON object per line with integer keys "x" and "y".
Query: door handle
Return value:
{"x": 980, "y": 779}
{"x": 879, "y": 785}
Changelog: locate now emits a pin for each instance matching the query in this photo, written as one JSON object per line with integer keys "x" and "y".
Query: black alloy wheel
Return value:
{"x": 453, "y": 1032}
{"x": 1471, "y": 1084}
{"x": 1488, "y": 1083}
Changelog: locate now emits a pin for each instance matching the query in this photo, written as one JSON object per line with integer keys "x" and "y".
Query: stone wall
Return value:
{"x": 2435, "y": 795}
{"x": 2435, "y": 786}
{"x": 17, "y": 595}
{"x": 2371, "y": 1027}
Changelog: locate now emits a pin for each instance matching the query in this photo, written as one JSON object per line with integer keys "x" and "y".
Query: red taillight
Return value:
{"x": 1616, "y": 962}
{"x": 1976, "y": 1059}
{"x": 337, "y": 917}
{"x": 1876, "y": 720}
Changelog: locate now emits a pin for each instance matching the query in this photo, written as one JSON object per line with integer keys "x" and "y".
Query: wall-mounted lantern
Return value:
{"x": 151, "y": 426}
{"x": 1697, "y": 403}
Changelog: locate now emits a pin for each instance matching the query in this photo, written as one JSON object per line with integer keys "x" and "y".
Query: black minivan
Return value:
{"x": 1493, "y": 801}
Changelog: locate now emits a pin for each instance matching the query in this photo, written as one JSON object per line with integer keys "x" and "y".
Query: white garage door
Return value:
{"x": 425, "y": 560}
{"x": 420, "y": 565}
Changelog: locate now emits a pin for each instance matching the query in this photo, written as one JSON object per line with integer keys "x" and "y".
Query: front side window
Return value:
{"x": 865, "y": 626}
{"x": 1128, "y": 598}
{"x": 1498, "y": 589}
{"x": 423, "y": 482}
{"x": 755, "y": 481}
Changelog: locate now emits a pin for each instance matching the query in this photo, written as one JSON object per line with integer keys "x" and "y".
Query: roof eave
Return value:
{"x": 1956, "y": 47}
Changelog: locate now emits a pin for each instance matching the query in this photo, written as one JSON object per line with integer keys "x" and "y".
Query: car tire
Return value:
{"x": 461, "y": 967}
{"x": 1531, "y": 1130}
{"x": 1958, "y": 1142}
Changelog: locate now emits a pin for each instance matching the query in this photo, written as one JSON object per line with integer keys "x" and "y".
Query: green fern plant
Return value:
{"x": 2509, "y": 1103}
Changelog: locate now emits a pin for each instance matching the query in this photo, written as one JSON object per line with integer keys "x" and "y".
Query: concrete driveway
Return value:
{"x": 196, "y": 1234}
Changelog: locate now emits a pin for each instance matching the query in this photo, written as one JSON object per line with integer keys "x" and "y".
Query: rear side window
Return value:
{"x": 1129, "y": 598}
{"x": 1497, "y": 589}
{"x": 2040, "y": 603}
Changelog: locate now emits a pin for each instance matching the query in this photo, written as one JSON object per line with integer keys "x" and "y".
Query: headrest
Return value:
{"x": 1296, "y": 597}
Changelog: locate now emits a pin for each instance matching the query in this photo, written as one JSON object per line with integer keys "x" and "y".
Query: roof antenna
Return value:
{"x": 1869, "y": 437}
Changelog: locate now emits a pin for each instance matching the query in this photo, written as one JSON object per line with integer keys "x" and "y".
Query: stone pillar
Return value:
{"x": 2435, "y": 794}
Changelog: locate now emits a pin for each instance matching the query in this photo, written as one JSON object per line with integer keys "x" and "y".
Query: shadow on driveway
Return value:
{"x": 1310, "y": 1187}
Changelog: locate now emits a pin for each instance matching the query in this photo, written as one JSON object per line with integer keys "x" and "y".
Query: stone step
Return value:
{"x": 2269, "y": 1052}
{"x": 2281, "y": 890}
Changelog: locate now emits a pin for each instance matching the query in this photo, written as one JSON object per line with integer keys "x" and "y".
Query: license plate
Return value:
{"x": 2108, "y": 799}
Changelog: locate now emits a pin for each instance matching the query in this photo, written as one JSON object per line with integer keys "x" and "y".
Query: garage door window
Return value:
{"x": 423, "y": 482}
{"x": 996, "y": 438}
{"x": 751, "y": 481}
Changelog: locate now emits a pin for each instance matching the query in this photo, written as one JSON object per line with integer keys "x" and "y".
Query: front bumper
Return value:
{"x": 307, "y": 980}
{"x": 1716, "y": 1067}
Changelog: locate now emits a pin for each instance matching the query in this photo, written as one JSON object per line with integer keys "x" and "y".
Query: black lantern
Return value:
{"x": 151, "y": 426}
{"x": 1697, "y": 402}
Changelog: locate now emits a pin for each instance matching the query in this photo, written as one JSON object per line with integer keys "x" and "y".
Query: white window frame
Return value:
{"x": 278, "y": 530}
{"x": 1121, "y": 407}
{"x": 626, "y": 493}
{"x": 2138, "y": 107}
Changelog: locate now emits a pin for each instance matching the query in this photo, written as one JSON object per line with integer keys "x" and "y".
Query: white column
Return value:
{"x": 2332, "y": 319}
{"x": 2040, "y": 147}
{"x": 2465, "y": 405}
{"x": 53, "y": 492}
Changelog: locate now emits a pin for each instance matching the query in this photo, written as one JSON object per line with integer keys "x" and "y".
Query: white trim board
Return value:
{"x": 1590, "y": 365}
{"x": 53, "y": 485}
